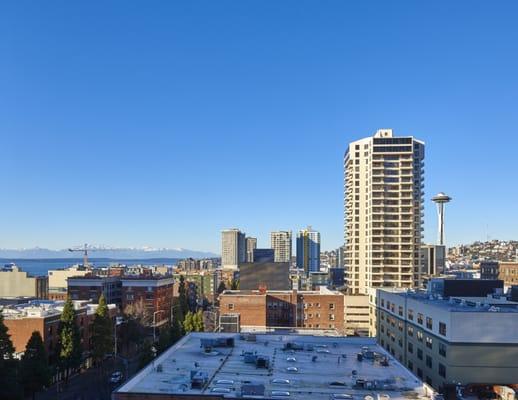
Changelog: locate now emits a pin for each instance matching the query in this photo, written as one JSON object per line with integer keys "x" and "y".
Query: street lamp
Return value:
{"x": 154, "y": 324}
{"x": 118, "y": 321}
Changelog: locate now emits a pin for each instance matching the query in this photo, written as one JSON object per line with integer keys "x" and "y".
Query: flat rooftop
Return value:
{"x": 326, "y": 368}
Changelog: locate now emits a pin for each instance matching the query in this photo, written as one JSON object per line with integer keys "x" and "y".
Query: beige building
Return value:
{"x": 357, "y": 315}
{"x": 281, "y": 243}
{"x": 233, "y": 248}
{"x": 58, "y": 280}
{"x": 16, "y": 283}
{"x": 383, "y": 199}
{"x": 251, "y": 245}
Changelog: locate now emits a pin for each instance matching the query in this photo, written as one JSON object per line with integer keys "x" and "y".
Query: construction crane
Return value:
{"x": 84, "y": 249}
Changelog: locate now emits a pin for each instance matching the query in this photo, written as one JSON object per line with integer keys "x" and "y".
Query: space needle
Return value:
{"x": 441, "y": 199}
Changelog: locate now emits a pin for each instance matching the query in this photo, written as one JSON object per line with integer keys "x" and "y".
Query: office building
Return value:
{"x": 17, "y": 283}
{"x": 280, "y": 242}
{"x": 452, "y": 340}
{"x": 265, "y": 366}
{"x": 263, "y": 255}
{"x": 251, "y": 245}
{"x": 90, "y": 287}
{"x": 433, "y": 258}
{"x": 269, "y": 275}
{"x": 383, "y": 199}
{"x": 233, "y": 249}
{"x": 308, "y": 250}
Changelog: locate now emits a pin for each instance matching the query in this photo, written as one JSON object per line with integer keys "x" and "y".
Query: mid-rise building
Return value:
{"x": 280, "y": 242}
{"x": 263, "y": 255}
{"x": 58, "y": 285}
{"x": 314, "y": 309}
{"x": 433, "y": 262}
{"x": 251, "y": 245}
{"x": 383, "y": 200}
{"x": 90, "y": 287}
{"x": 233, "y": 248}
{"x": 308, "y": 250}
{"x": 450, "y": 341}
{"x": 151, "y": 297}
{"x": 504, "y": 270}
{"x": 268, "y": 275}
{"x": 489, "y": 269}
{"x": 17, "y": 283}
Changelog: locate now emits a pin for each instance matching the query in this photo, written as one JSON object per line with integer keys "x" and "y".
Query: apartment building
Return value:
{"x": 308, "y": 250}
{"x": 44, "y": 316}
{"x": 151, "y": 295}
{"x": 251, "y": 245}
{"x": 58, "y": 286}
{"x": 322, "y": 309}
{"x": 90, "y": 287}
{"x": 383, "y": 219}
{"x": 447, "y": 341}
{"x": 17, "y": 283}
{"x": 281, "y": 243}
{"x": 503, "y": 270}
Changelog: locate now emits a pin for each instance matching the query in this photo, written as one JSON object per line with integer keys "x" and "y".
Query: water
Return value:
{"x": 38, "y": 267}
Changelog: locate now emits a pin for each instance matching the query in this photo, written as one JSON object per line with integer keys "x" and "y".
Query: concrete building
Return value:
{"x": 233, "y": 249}
{"x": 502, "y": 270}
{"x": 280, "y": 242}
{"x": 357, "y": 315}
{"x": 433, "y": 258}
{"x": 151, "y": 296}
{"x": 251, "y": 245}
{"x": 218, "y": 366}
{"x": 489, "y": 269}
{"x": 259, "y": 310}
{"x": 16, "y": 283}
{"x": 90, "y": 287}
{"x": 58, "y": 285}
{"x": 453, "y": 340}
{"x": 383, "y": 201}
{"x": 308, "y": 250}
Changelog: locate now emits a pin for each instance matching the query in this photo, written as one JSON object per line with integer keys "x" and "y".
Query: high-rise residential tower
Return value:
{"x": 281, "y": 244}
{"x": 233, "y": 248}
{"x": 308, "y": 250}
{"x": 383, "y": 199}
{"x": 251, "y": 245}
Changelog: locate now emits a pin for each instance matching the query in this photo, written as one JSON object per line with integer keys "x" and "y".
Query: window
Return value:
{"x": 410, "y": 347}
{"x": 442, "y": 328}
{"x": 230, "y": 306}
{"x": 420, "y": 336}
{"x": 382, "y": 302}
{"x": 411, "y": 366}
{"x": 129, "y": 296}
{"x": 420, "y": 318}
{"x": 442, "y": 349}
{"x": 442, "y": 370}
{"x": 411, "y": 315}
{"x": 420, "y": 373}
{"x": 429, "y": 342}
{"x": 331, "y": 306}
{"x": 429, "y": 323}
{"x": 331, "y": 317}
{"x": 429, "y": 361}
{"x": 317, "y": 304}
{"x": 420, "y": 354}
{"x": 400, "y": 311}
{"x": 410, "y": 331}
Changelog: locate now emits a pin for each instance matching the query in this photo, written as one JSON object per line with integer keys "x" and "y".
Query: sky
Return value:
{"x": 131, "y": 123}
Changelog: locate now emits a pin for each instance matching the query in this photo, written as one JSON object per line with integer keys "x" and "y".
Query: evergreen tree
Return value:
{"x": 188, "y": 323}
{"x": 176, "y": 331}
{"x": 164, "y": 340}
{"x": 102, "y": 332}
{"x": 69, "y": 340}
{"x": 9, "y": 383}
{"x": 182, "y": 296}
{"x": 198, "y": 321}
{"x": 35, "y": 370}
{"x": 222, "y": 287}
{"x": 146, "y": 354}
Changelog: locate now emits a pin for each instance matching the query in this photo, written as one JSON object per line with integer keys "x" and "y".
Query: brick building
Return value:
{"x": 90, "y": 287}
{"x": 322, "y": 309}
{"x": 150, "y": 295}
{"x": 44, "y": 316}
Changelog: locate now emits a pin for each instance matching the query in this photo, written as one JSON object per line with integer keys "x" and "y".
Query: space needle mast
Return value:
{"x": 441, "y": 199}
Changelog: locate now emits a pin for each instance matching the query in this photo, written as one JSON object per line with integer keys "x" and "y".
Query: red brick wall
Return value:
{"x": 252, "y": 308}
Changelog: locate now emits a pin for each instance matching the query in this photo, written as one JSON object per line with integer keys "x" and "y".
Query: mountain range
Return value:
{"x": 119, "y": 253}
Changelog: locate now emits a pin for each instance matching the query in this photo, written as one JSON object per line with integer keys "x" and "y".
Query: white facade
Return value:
{"x": 281, "y": 244}
{"x": 383, "y": 200}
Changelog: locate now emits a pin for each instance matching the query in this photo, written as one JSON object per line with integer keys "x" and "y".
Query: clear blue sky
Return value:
{"x": 160, "y": 123}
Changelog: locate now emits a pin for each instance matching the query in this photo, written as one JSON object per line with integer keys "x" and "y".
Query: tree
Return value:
{"x": 234, "y": 285}
{"x": 222, "y": 287}
{"x": 182, "y": 296}
{"x": 9, "y": 382}
{"x": 198, "y": 321}
{"x": 164, "y": 340}
{"x": 102, "y": 334}
{"x": 176, "y": 331}
{"x": 188, "y": 323}
{"x": 69, "y": 340}
{"x": 35, "y": 370}
{"x": 147, "y": 354}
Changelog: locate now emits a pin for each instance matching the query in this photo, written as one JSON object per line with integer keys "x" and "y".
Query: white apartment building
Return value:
{"x": 233, "y": 248}
{"x": 383, "y": 200}
{"x": 281, "y": 244}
